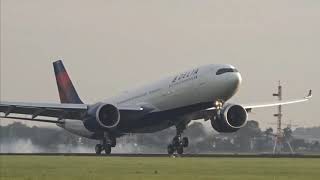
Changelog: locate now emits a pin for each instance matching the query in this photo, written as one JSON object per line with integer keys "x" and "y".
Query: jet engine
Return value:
{"x": 230, "y": 118}
{"x": 105, "y": 116}
{"x": 108, "y": 116}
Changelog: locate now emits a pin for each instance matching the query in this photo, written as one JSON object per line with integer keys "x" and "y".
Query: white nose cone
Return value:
{"x": 235, "y": 83}
{"x": 239, "y": 79}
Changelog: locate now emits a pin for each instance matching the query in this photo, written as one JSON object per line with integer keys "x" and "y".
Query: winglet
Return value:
{"x": 309, "y": 94}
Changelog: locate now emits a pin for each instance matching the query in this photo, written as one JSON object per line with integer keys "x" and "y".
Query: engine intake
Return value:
{"x": 231, "y": 118}
{"x": 108, "y": 116}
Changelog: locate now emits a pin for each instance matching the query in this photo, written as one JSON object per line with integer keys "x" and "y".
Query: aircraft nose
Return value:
{"x": 236, "y": 80}
{"x": 239, "y": 79}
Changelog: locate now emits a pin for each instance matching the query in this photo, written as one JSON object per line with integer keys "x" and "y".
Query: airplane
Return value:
{"x": 200, "y": 93}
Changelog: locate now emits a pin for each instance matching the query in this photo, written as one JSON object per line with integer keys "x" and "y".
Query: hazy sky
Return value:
{"x": 112, "y": 45}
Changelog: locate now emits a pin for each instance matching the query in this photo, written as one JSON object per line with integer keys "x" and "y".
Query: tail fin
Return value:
{"x": 67, "y": 92}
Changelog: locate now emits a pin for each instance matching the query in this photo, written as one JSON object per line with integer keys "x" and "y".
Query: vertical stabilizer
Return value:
{"x": 67, "y": 92}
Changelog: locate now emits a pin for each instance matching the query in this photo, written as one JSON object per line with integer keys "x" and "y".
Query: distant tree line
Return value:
{"x": 249, "y": 139}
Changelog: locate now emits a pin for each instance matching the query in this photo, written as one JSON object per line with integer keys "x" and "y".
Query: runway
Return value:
{"x": 165, "y": 155}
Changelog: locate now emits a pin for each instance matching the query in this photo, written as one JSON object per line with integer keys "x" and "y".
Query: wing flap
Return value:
{"x": 32, "y": 119}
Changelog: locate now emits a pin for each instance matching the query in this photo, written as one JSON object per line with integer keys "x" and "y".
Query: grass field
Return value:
{"x": 117, "y": 168}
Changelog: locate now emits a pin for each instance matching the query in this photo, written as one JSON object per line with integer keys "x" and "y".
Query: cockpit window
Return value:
{"x": 225, "y": 70}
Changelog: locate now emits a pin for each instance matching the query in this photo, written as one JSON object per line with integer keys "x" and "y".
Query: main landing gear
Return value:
{"x": 178, "y": 143}
{"x": 106, "y": 145}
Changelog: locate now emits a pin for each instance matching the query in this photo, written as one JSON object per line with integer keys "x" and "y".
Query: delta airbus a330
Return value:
{"x": 200, "y": 93}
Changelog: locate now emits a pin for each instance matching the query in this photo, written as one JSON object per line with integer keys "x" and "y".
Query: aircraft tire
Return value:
{"x": 170, "y": 149}
{"x": 176, "y": 141}
{"x": 98, "y": 149}
{"x": 185, "y": 142}
{"x": 107, "y": 149}
{"x": 180, "y": 150}
{"x": 113, "y": 142}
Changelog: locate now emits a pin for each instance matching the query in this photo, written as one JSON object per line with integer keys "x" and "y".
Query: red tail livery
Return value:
{"x": 67, "y": 92}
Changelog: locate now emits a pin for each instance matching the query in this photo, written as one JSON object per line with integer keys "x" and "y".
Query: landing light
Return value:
{"x": 218, "y": 104}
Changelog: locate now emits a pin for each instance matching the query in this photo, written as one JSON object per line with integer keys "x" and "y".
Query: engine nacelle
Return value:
{"x": 230, "y": 119}
{"x": 106, "y": 116}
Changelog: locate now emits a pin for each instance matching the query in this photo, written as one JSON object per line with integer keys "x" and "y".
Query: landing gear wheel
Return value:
{"x": 113, "y": 142}
{"x": 98, "y": 149}
{"x": 170, "y": 149}
{"x": 180, "y": 150}
{"x": 176, "y": 141}
{"x": 185, "y": 142}
{"x": 107, "y": 149}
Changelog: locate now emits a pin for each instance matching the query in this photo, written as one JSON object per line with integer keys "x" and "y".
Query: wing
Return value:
{"x": 249, "y": 107}
{"x": 206, "y": 114}
{"x": 59, "y": 111}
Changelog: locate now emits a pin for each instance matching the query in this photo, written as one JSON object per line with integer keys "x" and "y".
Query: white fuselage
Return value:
{"x": 196, "y": 86}
{"x": 170, "y": 93}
